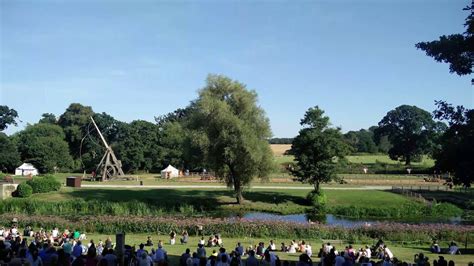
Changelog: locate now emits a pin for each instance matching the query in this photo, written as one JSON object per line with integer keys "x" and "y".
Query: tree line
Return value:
{"x": 224, "y": 130}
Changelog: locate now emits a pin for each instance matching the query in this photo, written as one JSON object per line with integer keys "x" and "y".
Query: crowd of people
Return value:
{"x": 72, "y": 248}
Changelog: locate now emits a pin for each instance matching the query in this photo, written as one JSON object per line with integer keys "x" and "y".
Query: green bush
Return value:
{"x": 24, "y": 190}
{"x": 317, "y": 199}
{"x": 44, "y": 184}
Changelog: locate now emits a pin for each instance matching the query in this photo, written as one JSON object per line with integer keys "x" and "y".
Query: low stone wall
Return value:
{"x": 6, "y": 190}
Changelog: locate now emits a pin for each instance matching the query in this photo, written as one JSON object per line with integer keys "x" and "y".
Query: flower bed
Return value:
{"x": 246, "y": 228}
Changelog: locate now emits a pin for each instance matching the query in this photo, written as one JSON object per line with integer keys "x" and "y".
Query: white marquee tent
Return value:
{"x": 169, "y": 172}
{"x": 26, "y": 169}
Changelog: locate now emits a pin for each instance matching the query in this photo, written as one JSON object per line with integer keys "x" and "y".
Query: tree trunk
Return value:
{"x": 408, "y": 160}
{"x": 237, "y": 187}
{"x": 316, "y": 187}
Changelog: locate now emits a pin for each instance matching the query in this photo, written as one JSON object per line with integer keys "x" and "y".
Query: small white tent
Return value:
{"x": 169, "y": 172}
{"x": 26, "y": 169}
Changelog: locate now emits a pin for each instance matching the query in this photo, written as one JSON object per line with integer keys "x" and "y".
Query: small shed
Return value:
{"x": 26, "y": 169}
{"x": 169, "y": 172}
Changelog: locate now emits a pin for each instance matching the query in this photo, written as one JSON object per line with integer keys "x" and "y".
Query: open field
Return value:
{"x": 402, "y": 251}
{"x": 280, "y": 149}
{"x": 364, "y": 159}
{"x": 274, "y": 180}
{"x": 208, "y": 202}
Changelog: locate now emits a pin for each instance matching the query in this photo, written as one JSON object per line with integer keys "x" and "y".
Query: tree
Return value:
{"x": 411, "y": 131}
{"x": 48, "y": 118}
{"x": 456, "y": 49}
{"x": 361, "y": 141}
{"x": 317, "y": 149}
{"x": 9, "y": 156}
{"x": 232, "y": 131}
{"x": 138, "y": 147}
{"x": 45, "y": 147}
{"x": 455, "y": 152}
{"x": 382, "y": 142}
{"x": 7, "y": 117}
{"x": 75, "y": 121}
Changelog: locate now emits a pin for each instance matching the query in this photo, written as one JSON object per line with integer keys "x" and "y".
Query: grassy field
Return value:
{"x": 363, "y": 159}
{"x": 222, "y": 200}
{"x": 404, "y": 252}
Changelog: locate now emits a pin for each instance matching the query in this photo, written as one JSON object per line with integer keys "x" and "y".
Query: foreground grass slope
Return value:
{"x": 403, "y": 251}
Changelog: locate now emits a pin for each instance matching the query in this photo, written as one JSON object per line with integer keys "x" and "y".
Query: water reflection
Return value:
{"x": 339, "y": 221}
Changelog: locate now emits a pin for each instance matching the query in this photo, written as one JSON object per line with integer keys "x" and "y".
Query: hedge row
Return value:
{"x": 246, "y": 228}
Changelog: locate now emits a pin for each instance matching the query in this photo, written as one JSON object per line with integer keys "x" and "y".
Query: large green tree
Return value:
{"x": 411, "y": 131}
{"x": 75, "y": 121}
{"x": 138, "y": 147}
{"x": 9, "y": 156}
{"x": 456, "y": 49}
{"x": 7, "y": 117}
{"x": 317, "y": 149}
{"x": 232, "y": 131}
{"x": 361, "y": 141}
{"x": 45, "y": 147}
{"x": 455, "y": 152}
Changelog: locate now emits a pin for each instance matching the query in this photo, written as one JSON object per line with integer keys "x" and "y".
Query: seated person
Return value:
{"x": 172, "y": 238}
{"x": 211, "y": 242}
{"x": 202, "y": 241}
{"x": 435, "y": 248}
{"x": 453, "y": 249}
{"x": 271, "y": 246}
{"x": 184, "y": 237}
{"x": 149, "y": 242}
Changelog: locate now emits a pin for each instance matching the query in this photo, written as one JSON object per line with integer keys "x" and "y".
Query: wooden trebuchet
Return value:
{"x": 109, "y": 167}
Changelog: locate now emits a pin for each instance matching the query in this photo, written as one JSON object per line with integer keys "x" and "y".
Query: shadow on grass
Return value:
{"x": 199, "y": 199}
{"x": 464, "y": 251}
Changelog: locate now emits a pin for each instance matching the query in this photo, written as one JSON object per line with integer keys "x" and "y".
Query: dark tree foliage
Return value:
{"x": 455, "y": 152}
{"x": 176, "y": 116}
{"x": 280, "y": 140}
{"x": 456, "y": 49}
{"x": 45, "y": 147}
{"x": 361, "y": 141}
{"x": 7, "y": 117}
{"x": 138, "y": 147}
{"x": 382, "y": 142}
{"x": 317, "y": 149}
{"x": 75, "y": 121}
{"x": 9, "y": 156}
{"x": 411, "y": 131}
{"x": 48, "y": 118}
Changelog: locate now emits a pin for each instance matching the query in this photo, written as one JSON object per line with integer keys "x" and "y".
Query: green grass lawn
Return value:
{"x": 222, "y": 200}
{"x": 404, "y": 252}
{"x": 383, "y": 158}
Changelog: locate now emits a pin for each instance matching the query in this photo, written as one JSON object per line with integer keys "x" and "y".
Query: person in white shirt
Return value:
{"x": 308, "y": 250}
{"x": 55, "y": 233}
{"x": 388, "y": 253}
{"x": 272, "y": 246}
{"x": 328, "y": 248}
{"x": 368, "y": 251}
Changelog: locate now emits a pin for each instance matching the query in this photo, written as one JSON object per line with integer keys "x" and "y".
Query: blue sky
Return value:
{"x": 140, "y": 59}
